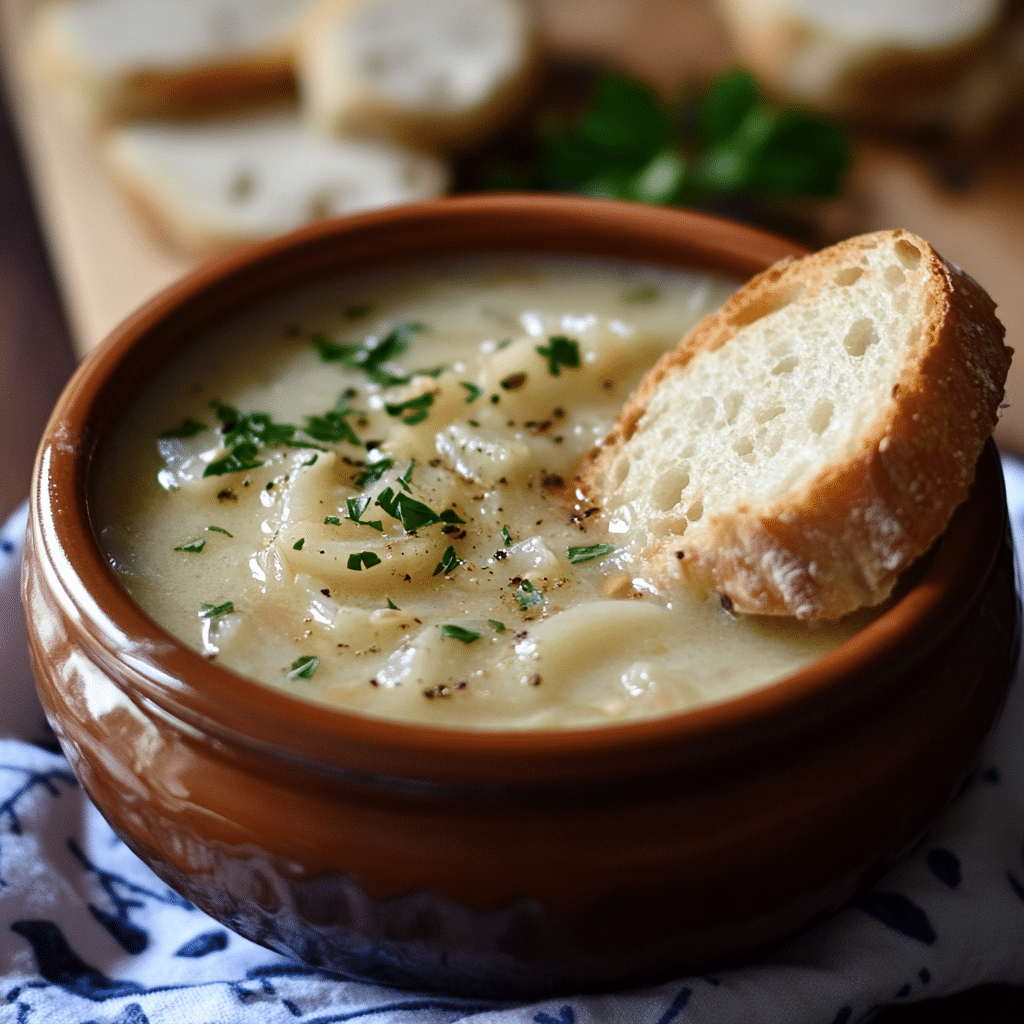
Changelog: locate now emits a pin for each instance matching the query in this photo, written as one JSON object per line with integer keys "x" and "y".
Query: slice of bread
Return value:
{"x": 168, "y": 58}
{"x": 213, "y": 185}
{"x": 913, "y": 65}
{"x": 435, "y": 74}
{"x": 805, "y": 444}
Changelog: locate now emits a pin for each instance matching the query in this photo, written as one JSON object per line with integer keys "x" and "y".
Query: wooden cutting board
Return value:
{"x": 108, "y": 262}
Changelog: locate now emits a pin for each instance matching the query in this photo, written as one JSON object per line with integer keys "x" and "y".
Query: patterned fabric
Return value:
{"x": 88, "y": 935}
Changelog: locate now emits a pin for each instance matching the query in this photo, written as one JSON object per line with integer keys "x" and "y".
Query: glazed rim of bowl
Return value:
{"x": 181, "y": 683}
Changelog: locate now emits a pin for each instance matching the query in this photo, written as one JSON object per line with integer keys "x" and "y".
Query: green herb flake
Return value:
{"x": 473, "y": 392}
{"x": 506, "y": 537}
{"x": 449, "y": 562}
{"x": 357, "y": 561}
{"x": 192, "y": 546}
{"x": 297, "y": 546}
{"x": 220, "y": 529}
{"x": 529, "y": 596}
{"x": 412, "y": 411}
{"x": 303, "y": 667}
{"x": 498, "y": 627}
{"x": 467, "y": 636}
{"x": 356, "y": 508}
{"x": 449, "y": 515}
{"x": 332, "y": 520}
{"x": 406, "y": 478}
{"x": 373, "y": 472}
{"x": 331, "y": 427}
{"x": 588, "y": 552}
{"x": 560, "y": 351}
{"x": 188, "y": 428}
{"x": 412, "y": 514}
{"x": 372, "y": 354}
{"x": 311, "y": 461}
{"x": 213, "y": 611}
{"x": 244, "y": 436}
{"x": 392, "y": 605}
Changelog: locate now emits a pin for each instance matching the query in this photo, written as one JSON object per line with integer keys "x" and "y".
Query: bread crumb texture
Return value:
{"x": 805, "y": 444}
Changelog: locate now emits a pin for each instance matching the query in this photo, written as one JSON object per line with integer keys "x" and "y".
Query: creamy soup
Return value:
{"x": 364, "y": 496}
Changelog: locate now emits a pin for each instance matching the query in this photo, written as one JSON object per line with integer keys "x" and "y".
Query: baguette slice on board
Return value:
{"x": 167, "y": 58}
{"x": 209, "y": 186}
{"x": 435, "y": 74}
{"x": 805, "y": 444}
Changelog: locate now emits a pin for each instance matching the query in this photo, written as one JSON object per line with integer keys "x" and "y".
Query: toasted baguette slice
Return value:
{"x": 214, "y": 185}
{"x": 434, "y": 74}
{"x": 914, "y": 64}
{"x": 168, "y": 58}
{"x": 809, "y": 441}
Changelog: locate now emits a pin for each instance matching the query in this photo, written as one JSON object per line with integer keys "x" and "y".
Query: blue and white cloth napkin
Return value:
{"x": 88, "y": 935}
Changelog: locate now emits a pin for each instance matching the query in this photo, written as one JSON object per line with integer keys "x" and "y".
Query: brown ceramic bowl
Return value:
{"x": 501, "y": 863}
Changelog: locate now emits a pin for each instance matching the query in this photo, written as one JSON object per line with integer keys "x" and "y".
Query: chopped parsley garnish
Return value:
{"x": 406, "y": 478}
{"x": 332, "y": 520}
{"x": 362, "y": 558}
{"x": 212, "y": 611}
{"x": 467, "y": 636}
{"x": 244, "y": 437}
{"x": 304, "y": 667}
{"x": 297, "y": 546}
{"x": 413, "y": 514}
{"x": 498, "y": 627}
{"x": 560, "y": 351}
{"x": 371, "y": 354}
{"x": 373, "y": 471}
{"x": 331, "y": 426}
{"x": 311, "y": 461}
{"x": 415, "y": 407}
{"x": 449, "y": 562}
{"x": 189, "y": 428}
{"x": 193, "y": 546}
{"x": 356, "y": 507}
{"x": 392, "y": 605}
{"x": 529, "y": 596}
{"x": 220, "y": 529}
{"x": 506, "y": 536}
{"x": 588, "y": 552}
{"x": 473, "y": 391}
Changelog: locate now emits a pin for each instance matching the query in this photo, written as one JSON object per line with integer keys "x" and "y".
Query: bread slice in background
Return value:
{"x": 805, "y": 444}
{"x": 217, "y": 184}
{"x": 126, "y": 59}
{"x": 433, "y": 74}
{"x": 912, "y": 64}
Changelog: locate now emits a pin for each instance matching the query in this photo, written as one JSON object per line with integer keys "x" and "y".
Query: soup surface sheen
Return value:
{"x": 364, "y": 496}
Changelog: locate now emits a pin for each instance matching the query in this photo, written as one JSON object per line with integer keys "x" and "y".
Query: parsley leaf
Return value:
{"x": 560, "y": 352}
{"x": 529, "y": 596}
{"x": 587, "y": 552}
{"x": 356, "y": 507}
{"x": 416, "y": 408}
{"x": 498, "y": 627}
{"x": 297, "y": 546}
{"x": 244, "y": 437}
{"x": 361, "y": 558}
{"x": 371, "y": 355}
{"x": 212, "y": 611}
{"x": 189, "y": 428}
{"x": 506, "y": 537}
{"x": 220, "y": 529}
{"x": 467, "y": 636}
{"x": 304, "y": 667}
{"x": 473, "y": 391}
{"x": 373, "y": 471}
{"x": 412, "y": 514}
{"x": 193, "y": 546}
{"x": 449, "y": 562}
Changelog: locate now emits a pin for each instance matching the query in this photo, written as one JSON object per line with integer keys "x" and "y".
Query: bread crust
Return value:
{"x": 840, "y": 541}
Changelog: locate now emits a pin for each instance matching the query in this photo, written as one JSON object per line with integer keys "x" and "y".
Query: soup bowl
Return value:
{"x": 501, "y": 863}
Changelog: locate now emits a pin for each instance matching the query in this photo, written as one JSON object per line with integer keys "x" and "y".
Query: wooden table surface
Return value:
{"x": 982, "y": 227}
